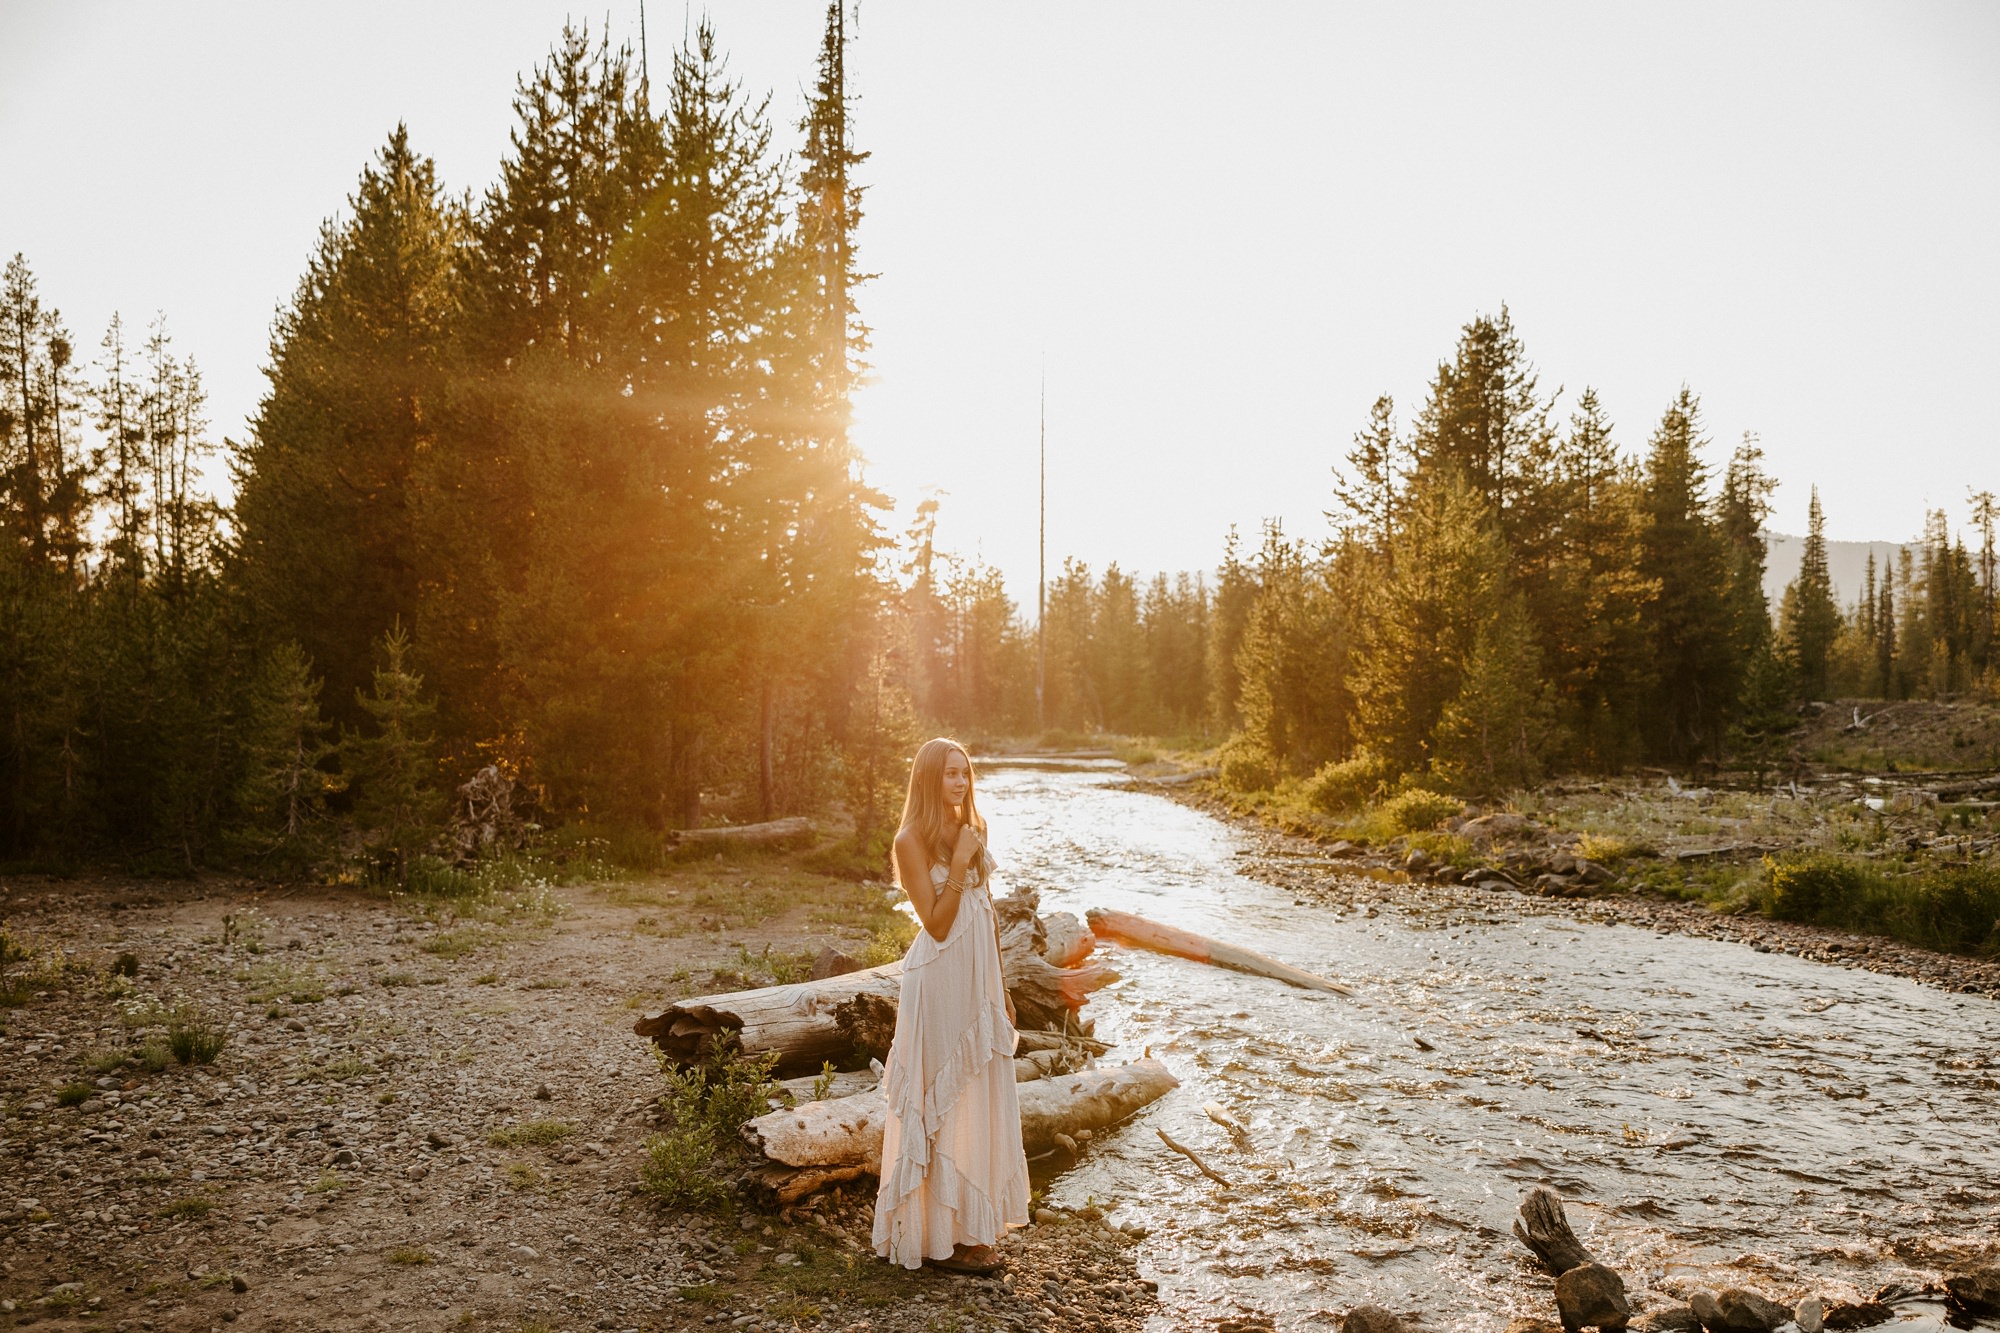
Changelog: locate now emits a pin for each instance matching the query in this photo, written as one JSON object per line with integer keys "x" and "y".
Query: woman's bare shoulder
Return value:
{"x": 909, "y": 840}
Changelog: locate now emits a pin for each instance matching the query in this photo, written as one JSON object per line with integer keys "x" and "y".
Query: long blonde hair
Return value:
{"x": 924, "y": 809}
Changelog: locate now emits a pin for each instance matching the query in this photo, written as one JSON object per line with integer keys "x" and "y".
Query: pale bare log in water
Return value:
{"x": 1145, "y": 934}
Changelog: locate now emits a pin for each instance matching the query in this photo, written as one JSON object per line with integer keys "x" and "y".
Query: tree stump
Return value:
{"x": 1544, "y": 1228}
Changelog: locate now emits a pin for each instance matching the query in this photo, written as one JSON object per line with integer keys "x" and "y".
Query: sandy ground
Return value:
{"x": 423, "y": 1123}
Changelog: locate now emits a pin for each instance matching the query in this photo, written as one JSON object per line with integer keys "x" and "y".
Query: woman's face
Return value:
{"x": 957, "y": 778}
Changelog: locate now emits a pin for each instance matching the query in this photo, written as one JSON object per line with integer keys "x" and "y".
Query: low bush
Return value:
{"x": 1417, "y": 810}
{"x": 1245, "y": 766}
{"x": 1348, "y": 783}
{"x": 191, "y": 1037}
{"x": 1956, "y": 910}
{"x": 705, "y": 1105}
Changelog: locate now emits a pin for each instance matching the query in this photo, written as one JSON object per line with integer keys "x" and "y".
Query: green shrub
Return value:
{"x": 1245, "y": 766}
{"x": 1955, "y": 910}
{"x": 1824, "y": 889}
{"x": 1959, "y": 910}
{"x": 1348, "y": 783}
{"x": 540, "y": 1133}
{"x": 74, "y": 1094}
{"x": 191, "y": 1037}
{"x": 1417, "y": 810}
{"x": 706, "y": 1104}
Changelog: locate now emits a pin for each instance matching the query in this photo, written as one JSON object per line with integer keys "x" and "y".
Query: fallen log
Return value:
{"x": 808, "y": 1023}
{"x": 848, "y": 1131}
{"x": 775, "y": 833}
{"x": 1138, "y": 931}
{"x": 839, "y": 1018}
{"x": 1031, "y": 1040}
{"x": 1544, "y": 1228}
{"x": 1068, "y": 941}
{"x": 1045, "y": 995}
{"x": 1956, "y": 790}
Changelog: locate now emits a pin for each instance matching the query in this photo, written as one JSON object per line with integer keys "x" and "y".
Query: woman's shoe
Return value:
{"x": 978, "y": 1260}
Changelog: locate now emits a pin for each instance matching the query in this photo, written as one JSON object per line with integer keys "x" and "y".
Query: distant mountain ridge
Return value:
{"x": 1846, "y": 561}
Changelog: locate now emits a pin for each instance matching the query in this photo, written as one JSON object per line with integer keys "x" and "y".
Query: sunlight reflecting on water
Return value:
{"x": 1714, "y": 1115}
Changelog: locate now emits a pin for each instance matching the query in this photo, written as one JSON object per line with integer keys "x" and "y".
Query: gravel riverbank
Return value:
{"x": 1299, "y": 863}
{"x": 424, "y": 1122}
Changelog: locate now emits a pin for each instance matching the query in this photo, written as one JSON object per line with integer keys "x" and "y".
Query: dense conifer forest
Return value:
{"x": 558, "y": 479}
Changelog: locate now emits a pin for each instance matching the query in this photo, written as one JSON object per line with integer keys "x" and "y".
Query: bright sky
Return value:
{"x": 1220, "y": 231}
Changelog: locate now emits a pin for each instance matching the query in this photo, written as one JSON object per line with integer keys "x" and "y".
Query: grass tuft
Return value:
{"x": 191, "y": 1206}
{"x": 192, "y": 1037}
{"x": 538, "y": 1133}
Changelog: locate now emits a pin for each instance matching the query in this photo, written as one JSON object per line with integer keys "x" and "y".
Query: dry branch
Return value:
{"x": 1145, "y": 934}
{"x": 1189, "y": 1153}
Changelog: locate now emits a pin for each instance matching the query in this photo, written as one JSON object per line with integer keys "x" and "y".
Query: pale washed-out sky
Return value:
{"x": 1219, "y": 231}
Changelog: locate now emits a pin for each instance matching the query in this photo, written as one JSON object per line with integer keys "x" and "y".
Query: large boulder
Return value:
{"x": 1501, "y": 827}
{"x": 1592, "y": 1296}
{"x": 1975, "y": 1290}
{"x": 1738, "y": 1310}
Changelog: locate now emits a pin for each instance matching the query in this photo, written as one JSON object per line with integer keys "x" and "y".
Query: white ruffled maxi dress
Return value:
{"x": 953, "y": 1171}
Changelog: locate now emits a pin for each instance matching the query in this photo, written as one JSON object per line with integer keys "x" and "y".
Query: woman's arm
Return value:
{"x": 936, "y": 904}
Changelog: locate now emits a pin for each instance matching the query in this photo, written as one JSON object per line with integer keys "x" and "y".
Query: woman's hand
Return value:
{"x": 1012, "y": 1021}
{"x": 967, "y": 848}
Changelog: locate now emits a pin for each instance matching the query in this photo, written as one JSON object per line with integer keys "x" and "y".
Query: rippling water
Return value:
{"x": 1714, "y": 1116}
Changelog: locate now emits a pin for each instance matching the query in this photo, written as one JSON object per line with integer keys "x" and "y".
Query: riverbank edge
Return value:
{"x": 1953, "y": 973}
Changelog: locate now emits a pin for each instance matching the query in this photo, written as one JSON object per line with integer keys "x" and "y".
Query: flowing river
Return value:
{"x": 1714, "y": 1116}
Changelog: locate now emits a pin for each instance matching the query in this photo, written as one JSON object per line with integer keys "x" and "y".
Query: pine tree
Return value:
{"x": 1423, "y": 621}
{"x": 1986, "y": 652}
{"x": 1810, "y": 617}
{"x": 1689, "y": 622}
{"x": 1293, "y": 661}
{"x": 288, "y": 755}
{"x": 1369, "y": 489}
{"x": 1235, "y": 594}
{"x": 398, "y": 809}
{"x": 1497, "y": 732}
{"x": 327, "y": 512}
{"x": 1595, "y": 648}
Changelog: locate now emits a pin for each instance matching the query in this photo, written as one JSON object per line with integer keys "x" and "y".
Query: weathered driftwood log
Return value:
{"x": 1067, "y": 940}
{"x": 1137, "y": 930}
{"x": 776, "y": 833}
{"x": 837, "y": 1018}
{"x": 1044, "y": 995}
{"x": 846, "y": 1135}
{"x": 1544, "y": 1228}
{"x": 1953, "y": 791}
{"x": 807, "y": 1022}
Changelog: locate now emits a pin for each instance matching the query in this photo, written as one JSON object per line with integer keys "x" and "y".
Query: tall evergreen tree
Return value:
{"x": 1689, "y": 621}
{"x": 1810, "y": 617}
{"x": 326, "y": 508}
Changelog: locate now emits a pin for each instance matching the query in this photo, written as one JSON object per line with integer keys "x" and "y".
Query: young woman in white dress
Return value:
{"x": 954, "y": 1177}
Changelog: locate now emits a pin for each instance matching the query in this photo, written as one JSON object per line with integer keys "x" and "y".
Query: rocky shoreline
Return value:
{"x": 1311, "y": 869}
